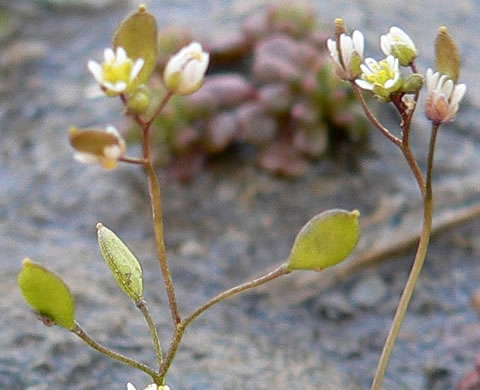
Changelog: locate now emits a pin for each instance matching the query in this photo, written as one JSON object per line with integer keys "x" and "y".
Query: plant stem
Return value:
{"x": 157, "y": 210}
{"x": 132, "y": 160}
{"x": 414, "y": 273}
{"x": 180, "y": 329}
{"x": 397, "y": 141}
{"x": 115, "y": 355}
{"x": 142, "y": 305}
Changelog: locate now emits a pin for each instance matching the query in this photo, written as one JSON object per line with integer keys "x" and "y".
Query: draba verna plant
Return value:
{"x": 324, "y": 241}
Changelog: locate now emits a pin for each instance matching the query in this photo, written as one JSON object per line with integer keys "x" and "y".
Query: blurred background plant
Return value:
{"x": 271, "y": 86}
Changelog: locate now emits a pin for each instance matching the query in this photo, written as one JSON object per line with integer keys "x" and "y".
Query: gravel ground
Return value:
{"x": 229, "y": 224}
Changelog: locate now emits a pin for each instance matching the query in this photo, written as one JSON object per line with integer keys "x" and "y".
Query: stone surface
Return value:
{"x": 246, "y": 220}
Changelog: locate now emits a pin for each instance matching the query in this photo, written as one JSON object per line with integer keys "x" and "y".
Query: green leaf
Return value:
{"x": 137, "y": 34}
{"x": 122, "y": 262}
{"x": 47, "y": 293}
{"x": 447, "y": 56}
{"x": 325, "y": 240}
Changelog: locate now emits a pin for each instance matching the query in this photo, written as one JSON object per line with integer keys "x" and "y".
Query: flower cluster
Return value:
{"x": 384, "y": 79}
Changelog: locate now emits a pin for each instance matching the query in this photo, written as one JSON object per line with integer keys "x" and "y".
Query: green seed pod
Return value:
{"x": 327, "y": 239}
{"x": 137, "y": 34}
{"x": 124, "y": 265}
{"x": 447, "y": 56}
{"x": 47, "y": 294}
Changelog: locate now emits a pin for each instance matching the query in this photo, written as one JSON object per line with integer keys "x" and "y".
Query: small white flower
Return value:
{"x": 348, "y": 57}
{"x": 185, "y": 71}
{"x": 397, "y": 43}
{"x": 382, "y": 78}
{"x": 443, "y": 97}
{"x": 98, "y": 147}
{"x": 149, "y": 387}
{"x": 117, "y": 73}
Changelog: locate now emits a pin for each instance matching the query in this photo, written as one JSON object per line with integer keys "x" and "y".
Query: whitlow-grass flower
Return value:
{"x": 443, "y": 97}
{"x": 347, "y": 54}
{"x": 95, "y": 146}
{"x": 382, "y": 78}
{"x": 149, "y": 387}
{"x": 397, "y": 43}
{"x": 185, "y": 71}
{"x": 117, "y": 73}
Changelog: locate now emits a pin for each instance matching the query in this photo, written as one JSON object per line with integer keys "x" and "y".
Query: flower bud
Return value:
{"x": 443, "y": 97}
{"x": 412, "y": 83}
{"x": 397, "y": 43}
{"x": 139, "y": 101}
{"x": 185, "y": 71}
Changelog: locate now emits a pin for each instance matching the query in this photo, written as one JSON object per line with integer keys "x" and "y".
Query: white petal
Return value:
{"x": 112, "y": 130}
{"x": 151, "y": 387}
{"x": 358, "y": 42}
{"x": 96, "y": 70}
{"x": 109, "y": 55}
{"x": 121, "y": 55}
{"x": 346, "y": 49}
{"x": 86, "y": 158}
{"x": 130, "y": 386}
{"x": 458, "y": 93}
{"x": 117, "y": 87}
{"x": 372, "y": 65}
{"x": 137, "y": 67}
{"x": 447, "y": 88}
{"x": 364, "y": 84}
{"x": 402, "y": 36}
{"x": 385, "y": 44}
{"x": 332, "y": 48}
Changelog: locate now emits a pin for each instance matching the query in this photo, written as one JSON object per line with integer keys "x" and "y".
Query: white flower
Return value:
{"x": 117, "y": 73}
{"x": 149, "y": 387}
{"x": 185, "y": 71}
{"x": 399, "y": 44}
{"x": 98, "y": 147}
{"x": 382, "y": 78}
{"x": 443, "y": 97}
{"x": 349, "y": 56}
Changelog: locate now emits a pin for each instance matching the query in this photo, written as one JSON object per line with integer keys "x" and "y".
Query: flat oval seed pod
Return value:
{"x": 137, "y": 34}
{"x": 447, "y": 56}
{"x": 325, "y": 240}
{"x": 124, "y": 265}
{"x": 47, "y": 294}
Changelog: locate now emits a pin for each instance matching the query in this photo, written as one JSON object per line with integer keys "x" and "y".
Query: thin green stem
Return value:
{"x": 157, "y": 212}
{"x": 414, "y": 273}
{"x": 397, "y": 141}
{"x": 276, "y": 273}
{"x": 142, "y": 305}
{"x": 132, "y": 160}
{"x": 115, "y": 355}
{"x": 181, "y": 327}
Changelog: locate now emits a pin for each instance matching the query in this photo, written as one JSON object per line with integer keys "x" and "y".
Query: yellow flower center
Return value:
{"x": 382, "y": 72}
{"x": 115, "y": 72}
